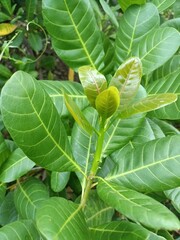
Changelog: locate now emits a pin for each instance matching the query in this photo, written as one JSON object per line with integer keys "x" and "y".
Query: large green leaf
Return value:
{"x": 93, "y": 82}
{"x": 148, "y": 104}
{"x": 15, "y": 166}
{"x": 28, "y": 111}
{"x": 169, "y": 84}
{"x": 153, "y": 166}
{"x": 156, "y": 48}
{"x": 163, "y": 4}
{"x": 61, "y": 219}
{"x": 137, "y": 206}
{"x": 96, "y": 211}
{"x": 4, "y": 151}
{"x": 29, "y": 196}
{"x": 174, "y": 196}
{"x": 127, "y": 79}
{"x": 19, "y": 230}
{"x": 125, "y": 4}
{"x": 56, "y": 90}
{"x": 136, "y": 23}
{"x": 75, "y": 35}
{"x": 122, "y": 230}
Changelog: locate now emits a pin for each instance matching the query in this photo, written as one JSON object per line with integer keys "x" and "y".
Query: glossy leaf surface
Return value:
{"x": 24, "y": 101}
{"x": 15, "y": 166}
{"x": 93, "y": 82}
{"x": 61, "y": 219}
{"x": 135, "y": 24}
{"x": 76, "y": 42}
{"x": 163, "y": 4}
{"x": 28, "y": 196}
{"x": 127, "y": 79}
{"x": 156, "y": 48}
{"x": 137, "y": 206}
{"x": 153, "y": 166}
{"x": 59, "y": 180}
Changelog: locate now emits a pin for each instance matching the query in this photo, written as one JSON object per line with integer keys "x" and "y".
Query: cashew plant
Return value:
{"x": 95, "y": 159}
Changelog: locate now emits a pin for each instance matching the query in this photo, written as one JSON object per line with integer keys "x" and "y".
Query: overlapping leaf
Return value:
{"x": 153, "y": 166}
{"x": 137, "y": 206}
{"x": 4, "y": 151}
{"x": 169, "y": 84}
{"x": 15, "y": 166}
{"x": 174, "y": 196}
{"x": 163, "y": 4}
{"x": 28, "y": 197}
{"x": 135, "y": 24}
{"x": 122, "y": 230}
{"x": 167, "y": 128}
{"x": 125, "y": 4}
{"x": 2, "y": 192}
{"x": 34, "y": 123}
{"x": 175, "y": 23}
{"x": 60, "y": 219}
{"x": 75, "y": 35}
{"x": 59, "y": 180}
{"x": 156, "y": 48}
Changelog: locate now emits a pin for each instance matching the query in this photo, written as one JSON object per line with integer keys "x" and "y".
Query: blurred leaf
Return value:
{"x": 107, "y": 102}
{"x": 5, "y": 71}
{"x": 93, "y": 82}
{"x": 57, "y": 217}
{"x": 127, "y": 79}
{"x": 148, "y": 104}
{"x": 6, "y": 29}
{"x": 48, "y": 62}
{"x": 125, "y": 4}
{"x": 7, "y": 5}
{"x": 175, "y": 23}
{"x": 2, "y": 192}
{"x": 4, "y": 17}
{"x": 109, "y": 12}
{"x": 29, "y": 196}
{"x": 4, "y": 151}
{"x": 176, "y": 9}
{"x": 174, "y": 196}
{"x": 35, "y": 41}
{"x": 163, "y": 4}
{"x": 137, "y": 206}
{"x": 167, "y": 128}
{"x": 15, "y": 166}
{"x": 30, "y": 9}
{"x": 59, "y": 180}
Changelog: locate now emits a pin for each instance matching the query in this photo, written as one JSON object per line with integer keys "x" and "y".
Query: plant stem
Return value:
{"x": 95, "y": 164}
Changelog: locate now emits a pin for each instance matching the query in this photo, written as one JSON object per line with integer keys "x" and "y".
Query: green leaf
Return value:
{"x": 176, "y": 9}
{"x": 24, "y": 229}
{"x": 59, "y": 219}
{"x": 15, "y": 166}
{"x": 125, "y": 4}
{"x": 169, "y": 84}
{"x": 56, "y": 90}
{"x": 49, "y": 146}
{"x": 167, "y": 128}
{"x": 8, "y": 211}
{"x": 122, "y": 230}
{"x": 148, "y": 104}
{"x": 96, "y": 211}
{"x": 75, "y": 35}
{"x": 135, "y": 24}
{"x": 77, "y": 114}
{"x": 30, "y": 9}
{"x": 156, "y": 48}
{"x": 59, "y": 180}
{"x": 107, "y": 102}
{"x": 153, "y": 166}
{"x": 163, "y": 4}
{"x": 174, "y": 196}
{"x": 29, "y": 196}
{"x": 2, "y": 192}
{"x": 5, "y": 71}
{"x": 127, "y": 79}
{"x": 4, "y": 151}
{"x": 93, "y": 82}
{"x": 175, "y": 23}
{"x": 7, "y": 5}
{"x": 137, "y": 206}
{"x": 35, "y": 41}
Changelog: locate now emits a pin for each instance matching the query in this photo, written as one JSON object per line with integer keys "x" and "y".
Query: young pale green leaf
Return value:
{"x": 29, "y": 196}
{"x": 135, "y": 24}
{"x": 148, "y": 104}
{"x": 59, "y": 180}
{"x": 28, "y": 111}
{"x": 125, "y": 4}
{"x": 137, "y": 206}
{"x": 77, "y": 114}
{"x": 59, "y": 219}
{"x": 93, "y": 82}
{"x": 15, "y": 166}
{"x": 174, "y": 196}
{"x": 156, "y": 48}
{"x": 96, "y": 211}
{"x": 4, "y": 151}
{"x": 127, "y": 79}
{"x": 56, "y": 90}
{"x": 108, "y": 102}
{"x": 6, "y": 28}
{"x": 24, "y": 229}
{"x": 151, "y": 167}
{"x": 122, "y": 230}
{"x": 75, "y": 35}
{"x": 169, "y": 84}
{"x": 163, "y": 4}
